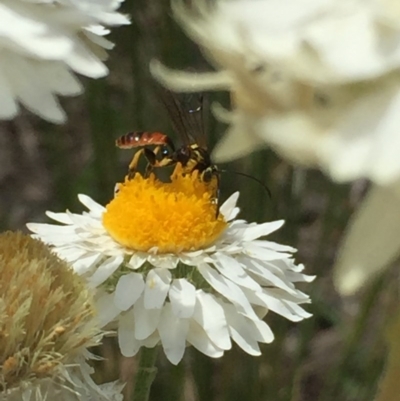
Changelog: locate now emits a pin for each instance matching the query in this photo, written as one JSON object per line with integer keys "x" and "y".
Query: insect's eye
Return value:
{"x": 165, "y": 152}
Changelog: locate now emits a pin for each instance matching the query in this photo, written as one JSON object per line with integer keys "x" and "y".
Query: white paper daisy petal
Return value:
{"x": 297, "y": 309}
{"x": 228, "y": 289}
{"x": 137, "y": 260}
{"x": 182, "y": 296}
{"x": 85, "y": 262}
{"x": 274, "y": 246}
{"x": 227, "y": 209}
{"x": 298, "y": 297}
{"x": 260, "y": 330}
{"x": 128, "y": 344}
{"x": 146, "y": 320}
{"x": 240, "y": 332}
{"x": 267, "y": 277}
{"x": 105, "y": 270}
{"x": 293, "y": 267}
{"x": 60, "y": 217}
{"x": 282, "y": 267}
{"x": 152, "y": 340}
{"x": 259, "y": 230}
{"x": 299, "y": 278}
{"x": 51, "y": 229}
{"x": 71, "y": 254}
{"x": 106, "y": 308}
{"x": 60, "y": 79}
{"x": 92, "y": 206}
{"x": 129, "y": 288}
{"x": 261, "y": 253}
{"x": 199, "y": 339}
{"x": 173, "y": 332}
{"x": 157, "y": 285}
{"x": 164, "y": 261}
{"x": 83, "y": 61}
{"x": 83, "y": 220}
{"x": 31, "y": 90}
{"x": 59, "y": 239}
{"x": 210, "y": 315}
{"x": 278, "y": 306}
{"x": 231, "y": 269}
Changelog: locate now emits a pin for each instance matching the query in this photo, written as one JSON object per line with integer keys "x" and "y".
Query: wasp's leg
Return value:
{"x": 134, "y": 163}
{"x": 164, "y": 162}
{"x": 151, "y": 157}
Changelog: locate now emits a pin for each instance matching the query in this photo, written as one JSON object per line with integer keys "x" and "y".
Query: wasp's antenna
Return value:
{"x": 251, "y": 177}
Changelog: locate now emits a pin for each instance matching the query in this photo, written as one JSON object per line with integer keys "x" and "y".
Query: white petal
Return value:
{"x": 273, "y": 246}
{"x": 86, "y": 63}
{"x": 279, "y": 306}
{"x": 372, "y": 240}
{"x": 234, "y": 145}
{"x": 52, "y": 229}
{"x": 260, "y": 331}
{"x": 260, "y": 230}
{"x": 86, "y": 263}
{"x": 268, "y": 277}
{"x": 93, "y": 206}
{"x": 232, "y": 270}
{"x": 182, "y": 295}
{"x": 298, "y": 310}
{"x": 31, "y": 90}
{"x": 129, "y": 288}
{"x": 173, "y": 332}
{"x": 105, "y": 270}
{"x": 228, "y": 289}
{"x": 228, "y": 208}
{"x": 299, "y": 297}
{"x": 157, "y": 286}
{"x": 137, "y": 260}
{"x": 210, "y": 315}
{"x": 240, "y": 331}
{"x": 199, "y": 339}
{"x": 146, "y": 320}
{"x": 258, "y": 252}
{"x": 60, "y": 217}
{"x": 180, "y": 81}
{"x": 128, "y": 344}
{"x": 107, "y": 311}
{"x": 164, "y": 261}
{"x": 299, "y": 278}
{"x": 152, "y": 340}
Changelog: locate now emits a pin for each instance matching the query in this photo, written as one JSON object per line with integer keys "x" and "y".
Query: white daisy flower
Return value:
{"x": 169, "y": 270}
{"x": 48, "y": 323}
{"x": 43, "y": 42}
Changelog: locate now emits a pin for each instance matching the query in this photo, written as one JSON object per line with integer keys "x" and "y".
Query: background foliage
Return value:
{"x": 339, "y": 353}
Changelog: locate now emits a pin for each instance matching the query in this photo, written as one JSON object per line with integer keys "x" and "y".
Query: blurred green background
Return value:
{"x": 337, "y": 354}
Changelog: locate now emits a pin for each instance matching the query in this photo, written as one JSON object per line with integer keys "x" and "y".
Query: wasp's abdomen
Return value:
{"x": 139, "y": 138}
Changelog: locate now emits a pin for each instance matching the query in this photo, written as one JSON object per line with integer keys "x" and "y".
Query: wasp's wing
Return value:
{"x": 187, "y": 115}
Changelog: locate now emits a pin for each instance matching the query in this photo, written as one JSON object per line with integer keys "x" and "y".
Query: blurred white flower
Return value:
{"x": 168, "y": 270}
{"x": 317, "y": 81}
{"x": 48, "y": 322}
{"x": 43, "y": 42}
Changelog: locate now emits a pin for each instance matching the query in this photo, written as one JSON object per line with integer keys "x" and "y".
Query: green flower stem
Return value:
{"x": 146, "y": 373}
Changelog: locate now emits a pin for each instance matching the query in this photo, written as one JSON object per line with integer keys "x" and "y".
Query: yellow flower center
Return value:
{"x": 176, "y": 216}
